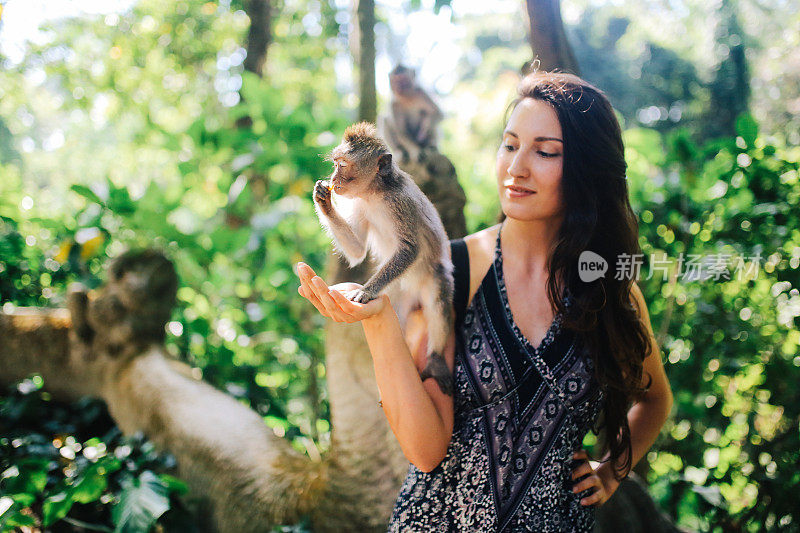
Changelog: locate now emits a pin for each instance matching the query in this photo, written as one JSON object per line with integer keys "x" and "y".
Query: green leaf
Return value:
{"x": 646, "y": 142}
{"x": 90, "y": 485}
{"x": 119, "y": 200}
{"x": 55, "y": 508}
{"x": 439, "y": 4}
{"x": 24, "y": 499}
{"x": 747, "y": 128}
{"x": 174, "y": 484}
{"x": 19, "y": 520}
{"x": 141, "y": 502}
{"x": 186, "y": 167}
{"x": 87, "y": 193}
{"x": 29, "y": 476}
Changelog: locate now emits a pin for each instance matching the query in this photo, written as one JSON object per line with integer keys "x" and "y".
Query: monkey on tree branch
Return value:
{"x": 410, "y": 126}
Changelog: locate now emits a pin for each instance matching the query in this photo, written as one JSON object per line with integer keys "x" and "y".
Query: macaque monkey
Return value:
{"x": 410, "y": 127}
{"x": 131, "y": 310}
{"x": 370, "y": 204}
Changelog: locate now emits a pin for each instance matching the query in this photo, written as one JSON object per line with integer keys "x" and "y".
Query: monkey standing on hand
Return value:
{"x": 390, "y": 216}
{"x": 410, "y": 127}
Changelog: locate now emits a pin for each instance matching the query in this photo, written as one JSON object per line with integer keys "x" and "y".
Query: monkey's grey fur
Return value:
{"x": 374, "y": 206}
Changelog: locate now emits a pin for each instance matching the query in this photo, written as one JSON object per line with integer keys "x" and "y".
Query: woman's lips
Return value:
{"x": 518, "y": 192}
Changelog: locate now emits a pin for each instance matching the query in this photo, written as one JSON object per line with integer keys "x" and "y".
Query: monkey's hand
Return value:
{"x": 322, "y": 195}
{"x": 78, "y": 305}
{"x": 361, "y": 295}
{"x": 438, "y": 370}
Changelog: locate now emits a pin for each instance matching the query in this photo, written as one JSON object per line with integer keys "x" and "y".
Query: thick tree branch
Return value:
{"x": 548, "y": 38}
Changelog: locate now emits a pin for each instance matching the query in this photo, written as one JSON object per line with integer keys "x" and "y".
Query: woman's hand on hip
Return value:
{"x": 331, "y": 302}
{"x": 599, "y": 476}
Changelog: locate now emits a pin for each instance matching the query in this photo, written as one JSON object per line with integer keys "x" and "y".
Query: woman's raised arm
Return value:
{"x": 420, "y": 414}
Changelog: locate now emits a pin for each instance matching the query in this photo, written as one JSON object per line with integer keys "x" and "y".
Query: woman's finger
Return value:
{"x": 589, "y": 482}
{"x": 350, "y": 308}
{"x": 305, "y": 283}
{"x": 581, "y": 470}
{"x": 323, "y": 293}
{"x": 592, "y": 499}
{"x": 306, "y": 289}
{"x": 312, "y": 282}
{"x": 357, "y": 311}
{"x": 306, "y": 274}
{"x": 306, "y": 270}
{"x": 308, "y": 294}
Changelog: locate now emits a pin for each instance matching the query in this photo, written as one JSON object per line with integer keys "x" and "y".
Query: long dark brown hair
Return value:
{"x": 597, "y": 217}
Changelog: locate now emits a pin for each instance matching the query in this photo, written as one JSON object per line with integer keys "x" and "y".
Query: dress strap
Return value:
{"x": 460, "y": 258}
{"x": 497, "y": 251}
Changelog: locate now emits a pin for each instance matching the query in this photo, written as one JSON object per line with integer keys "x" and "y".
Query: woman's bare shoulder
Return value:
{"x": 480, "y": 247}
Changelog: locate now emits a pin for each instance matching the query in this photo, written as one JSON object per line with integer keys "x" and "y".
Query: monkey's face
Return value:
{"x": 351, "y": 177}
{"x": 402, "y": 80}
{"x": 530, "y": 163}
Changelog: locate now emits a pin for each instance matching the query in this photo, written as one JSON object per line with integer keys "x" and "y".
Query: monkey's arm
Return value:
{"x": 399, "y": 136}
{"x": 425, "y": 126}
{"x": 432, "y": 107}
{"x": 389, "y": 127}
{"x": 78, "y": 305}
{"x": 345, "y": 238}
{"x": 429, "y": 121}
{"x": 400, "y": 116}
{"x": 389, "y": 271}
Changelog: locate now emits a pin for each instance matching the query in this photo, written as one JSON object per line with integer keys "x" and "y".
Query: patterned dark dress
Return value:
{"x": 520, "y": 413}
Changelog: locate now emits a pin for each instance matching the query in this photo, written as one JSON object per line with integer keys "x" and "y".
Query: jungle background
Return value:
{"x": 197, "y": 128}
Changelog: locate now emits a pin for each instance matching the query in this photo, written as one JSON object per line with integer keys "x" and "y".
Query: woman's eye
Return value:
{"x": 508, "y": 147}
{"x": 545, "y": 154}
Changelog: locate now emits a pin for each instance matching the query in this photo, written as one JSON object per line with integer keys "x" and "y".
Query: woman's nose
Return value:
{"x": 518, "y": 166}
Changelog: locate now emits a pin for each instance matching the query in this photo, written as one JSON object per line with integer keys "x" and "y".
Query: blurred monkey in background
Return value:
{"x": 410, "y": 126}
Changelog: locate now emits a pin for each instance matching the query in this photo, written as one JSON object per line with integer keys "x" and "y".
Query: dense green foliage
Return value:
{"x": 142, "y": 130}
{"x": 62, "y": 460}
{"x": 730, "y": 331}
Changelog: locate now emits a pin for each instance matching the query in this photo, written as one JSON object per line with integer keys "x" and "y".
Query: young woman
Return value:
{"x": 540, "y": 356}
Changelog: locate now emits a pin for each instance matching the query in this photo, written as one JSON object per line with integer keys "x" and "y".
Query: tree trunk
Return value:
{"x": 367, "y": 99}
{"x": 548, "y": 38}
{"x": 259, "y": 35}
{"x": 730, "y": 88}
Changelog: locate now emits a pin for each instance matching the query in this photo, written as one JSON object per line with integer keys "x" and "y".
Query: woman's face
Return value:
{"x": 530, "y": 162}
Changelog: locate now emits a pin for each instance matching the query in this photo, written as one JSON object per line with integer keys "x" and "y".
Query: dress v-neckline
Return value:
{"x": 555, "y": 325}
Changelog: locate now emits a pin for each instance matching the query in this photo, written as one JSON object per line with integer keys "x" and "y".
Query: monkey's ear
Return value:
{"x": 385, "y": 164}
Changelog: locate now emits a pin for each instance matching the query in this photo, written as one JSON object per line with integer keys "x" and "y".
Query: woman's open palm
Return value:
{"x": 332, "y": 302}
